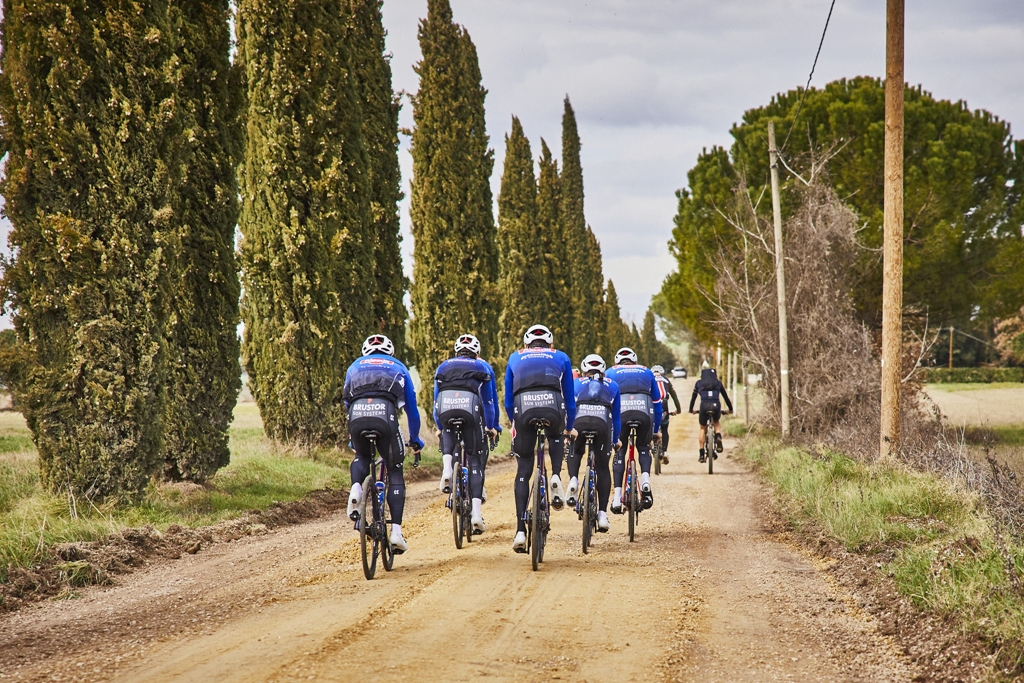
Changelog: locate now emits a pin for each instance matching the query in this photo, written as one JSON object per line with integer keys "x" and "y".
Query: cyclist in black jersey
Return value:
{"x": 667, "y": 390}
{"x": 711, "y": 390}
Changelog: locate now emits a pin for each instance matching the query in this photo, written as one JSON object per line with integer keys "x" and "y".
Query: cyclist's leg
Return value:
{"x": 556, "y": 444}
{"x": 360, "y": 467}
{"x": 643, "y": 447}
{"x": 602, "y": 454}
{"x": 395, "y": 459}
{"x": 476, "y": 446}
{"x": 575, "y": 459}
{"x": 448, "y": 444}
{"x": 664, "y": 435}
{"x": 619, "y": 462}
{"x": 524, "y": 443}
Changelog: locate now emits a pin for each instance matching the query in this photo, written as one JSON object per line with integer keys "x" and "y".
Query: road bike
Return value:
{"x": 459, "y": 500}
{"x": 656, "y": 455}
{"x": 630, "y": 500}
{"x": 709, "y": 440}
{"x": 374, "y": 523}
{"x": 586, "y": 504}
{"x": 538, "y": 512}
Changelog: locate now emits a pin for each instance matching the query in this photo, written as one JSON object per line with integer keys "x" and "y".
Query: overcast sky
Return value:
{"x": 655, "y": 81}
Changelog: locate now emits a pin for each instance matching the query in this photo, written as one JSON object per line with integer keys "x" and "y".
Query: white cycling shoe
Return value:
{"x": 446, "y": 474}
{"x": 603, "y": 524}
{"x": 355, "y": 498}
{"x": 519, "y": 543}
{"x": 557, "y": 494}
{"x": 570, "y": 498}
{"x": 398, "y": 543}
{"x": 478, "y": 525}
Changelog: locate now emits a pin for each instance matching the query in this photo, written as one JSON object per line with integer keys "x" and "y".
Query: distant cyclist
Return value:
{"x": 641, "y": 403}
{"x": 538, "y": 385}
{"x": 597, "y": 410}
{"x": 377, "y": 388}
{"x": 465, "y": 389}
{"x": 667, "y": 390}
{"x": 710, "y": 388}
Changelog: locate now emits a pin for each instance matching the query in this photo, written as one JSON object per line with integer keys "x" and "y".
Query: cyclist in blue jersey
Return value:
{"x": 597, "y": 411}
{"x": 641, "y": 404}
{"x": 377, "y": 388}
{"x": 465, "y": 394}
{"x": 667, "y": 391}
{"x": 538, "y": 385}
{"x": 710, "y": 389}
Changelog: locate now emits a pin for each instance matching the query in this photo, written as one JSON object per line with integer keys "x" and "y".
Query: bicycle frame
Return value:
{"x": 630, "y": 459}
{"x": 458, "y": 499}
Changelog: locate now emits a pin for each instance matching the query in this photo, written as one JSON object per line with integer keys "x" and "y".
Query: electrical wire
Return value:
{"x": 817, "y": 54}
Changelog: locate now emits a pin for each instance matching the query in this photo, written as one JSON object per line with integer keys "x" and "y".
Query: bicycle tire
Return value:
{"x": 633, "y": 502}
{"x": 711, "y": 462}
{"x": 587, "y": 520}
{"x": 537, "y": 544}
{"x": 387, "y": 553}
{"x": 456, "y": 505}
{"x": 656, "y": 455}
{"x": 467, "y": 510}
{"x": 367, "y": 542}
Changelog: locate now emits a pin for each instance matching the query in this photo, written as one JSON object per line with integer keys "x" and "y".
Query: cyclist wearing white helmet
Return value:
{"x": 641, "y": 406}
{"x": 667, "y": 390}
{"x": 377, "y": 388}
{"x": 465, "y": 392}
{"x": 597, "y": 415}
{"x": 538, "y": 385}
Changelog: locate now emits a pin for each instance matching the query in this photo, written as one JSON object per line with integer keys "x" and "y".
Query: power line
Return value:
{"x": 810, "y": 76}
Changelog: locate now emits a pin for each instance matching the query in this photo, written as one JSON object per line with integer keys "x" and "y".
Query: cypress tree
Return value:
{"x": 204, "y": 373}
{"x": 583, "y": 327}
{"x": 90, "y": 199}
{"x": 615, "y": 333}
{"x": 649, "y": 345}
{"x": 455, "y": 263}
{"x": 523, "y": 286}
{"x": 549, "y": 234}
{"x": 371, "y": 67}
{"x": 635, "y": 342}
{"x": 305, "y": 252}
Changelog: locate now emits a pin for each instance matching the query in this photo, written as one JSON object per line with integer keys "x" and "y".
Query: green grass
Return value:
{"x": 1011, "y": 435}
{"x": 944, "y": 552}
{"x": 973, "y": 386}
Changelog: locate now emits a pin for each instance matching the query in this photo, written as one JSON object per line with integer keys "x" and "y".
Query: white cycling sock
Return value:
{"x": 356, "y": 493}
{"x": 476, "y": 507}
{"x": 618, "y": 495}
{"x": 396, "y": 529}
{"x": 446, "y": 461}
{"x": 645, "y": 480}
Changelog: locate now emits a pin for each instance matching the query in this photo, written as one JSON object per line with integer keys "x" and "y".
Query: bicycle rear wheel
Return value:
{"x": 467, "y": 510}
{"x": 656, "y": 455}
{"x": 711, "y": 460}
{"x": 536, "y": 525}
{"x": 588, "y": 521}
{"x": 367, "y": 528}
{"x": 634, "y": 502}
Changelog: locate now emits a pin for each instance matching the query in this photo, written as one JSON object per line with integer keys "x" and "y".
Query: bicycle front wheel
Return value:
{"x": 536, "y": 524}
{"x": 367, "y": 528}
{"x": 588, "y": 521}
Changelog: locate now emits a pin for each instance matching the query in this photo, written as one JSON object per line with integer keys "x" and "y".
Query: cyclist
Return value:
{"x": 464, "y": 388}
{"x": 641, "y": 402}
{"x": 667, "y": 390}
{"x": 597, "y": 410}
{"x": 709, "y": 388}
{"x": 377, "y": 388}
{"x": 538, "y": 385}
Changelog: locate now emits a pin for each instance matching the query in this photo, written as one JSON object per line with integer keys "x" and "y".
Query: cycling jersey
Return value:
{"x": 667, "y": 390}
{"x": 637, "y": 379}
{"x": 470, "y": 374}
{"x": 709, "y": 388}
{"x": 381, "y": 376}
{"x": 532, "y": 369}
{"x": 603, "y": 393}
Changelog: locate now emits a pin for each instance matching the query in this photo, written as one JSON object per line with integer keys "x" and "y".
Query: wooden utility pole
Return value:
{"x": 746, "y": 392}
{"x": 950, "y": 347}
{"x": 892, "y": 274}
{"x": 780, "y": 281}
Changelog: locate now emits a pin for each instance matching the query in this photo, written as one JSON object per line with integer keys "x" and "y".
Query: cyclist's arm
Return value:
{"x": 412, "y": 413}
{"x": 568, "y": 393}
{"x": 492, "y": 399}
{"x": 616, "y": 417}
{"x": 656, "y": 395}
{"x": 345, "y": 392}
{"x": 509, "y": 396}
{"x": 675, "y": 397}
{"x": 726, "y": 397}
{"x": 693, "y": 398}
{"x": 437, "y": 390}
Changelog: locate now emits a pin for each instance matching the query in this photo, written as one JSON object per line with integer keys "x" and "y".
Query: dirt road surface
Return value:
{"x": 706, "y": 593}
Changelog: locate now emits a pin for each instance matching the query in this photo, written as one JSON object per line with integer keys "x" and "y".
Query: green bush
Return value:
{"x": 970, "y": 375}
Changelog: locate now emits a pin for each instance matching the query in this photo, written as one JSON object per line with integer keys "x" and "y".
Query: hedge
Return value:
{"x": 971, "y": 375}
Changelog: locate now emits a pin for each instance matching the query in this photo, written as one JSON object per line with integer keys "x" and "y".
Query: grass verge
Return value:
{"x": 937, "y": 545}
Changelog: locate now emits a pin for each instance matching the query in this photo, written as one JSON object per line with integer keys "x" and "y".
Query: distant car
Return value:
{"x": 679, "y": 372}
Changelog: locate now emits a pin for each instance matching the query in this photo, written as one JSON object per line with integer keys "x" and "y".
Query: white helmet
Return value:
{"x": 378, "y": 343}
{"x": 704, "y": 365}
{"x": 538, "y": 332}
{"x": 468, "y": 342}
{"x": 625, "y": 353}
{"x": 658, "y": 370}
{"x": 592, "y": 363}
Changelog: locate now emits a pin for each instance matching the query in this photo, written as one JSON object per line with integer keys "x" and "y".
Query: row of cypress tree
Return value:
{"x": 130, "y": 136}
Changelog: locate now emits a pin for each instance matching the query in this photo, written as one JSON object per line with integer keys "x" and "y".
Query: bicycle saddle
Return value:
{"x": 538, "y": 423}
{"x": 370, "y": 434}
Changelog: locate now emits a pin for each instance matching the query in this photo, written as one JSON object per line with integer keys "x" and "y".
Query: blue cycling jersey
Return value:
{"x": 637, "y": 379}
{"x": 604, "y": 392}
{"x": 381, "y": 376}
{"x": 471, "y": 374}
{"x": 540, "y": 368}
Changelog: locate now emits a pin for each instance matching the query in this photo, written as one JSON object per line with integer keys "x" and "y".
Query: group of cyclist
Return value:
{"x": 543, "y": 394}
